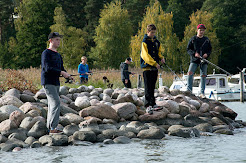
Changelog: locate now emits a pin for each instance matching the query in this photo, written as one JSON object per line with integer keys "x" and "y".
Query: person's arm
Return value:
{"x": 145, "y": 55}
{"x": 190, "y": 48}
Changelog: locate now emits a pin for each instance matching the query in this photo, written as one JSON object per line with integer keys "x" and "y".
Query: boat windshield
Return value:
{"x": 234, "y": 80}
{"x": 222, "y": 82}
{"x": 210, "y": 81}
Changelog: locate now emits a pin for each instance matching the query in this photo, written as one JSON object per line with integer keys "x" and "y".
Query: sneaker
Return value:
{"x": 149, "y": 110}
{"x": 55, "y": 131}
{"x": 156, "y": 107}
{"x": 202, "y": 96}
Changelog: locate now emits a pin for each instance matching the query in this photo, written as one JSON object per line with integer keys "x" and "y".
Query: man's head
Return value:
{"x": 200, "y": 30}
{"x": 151, "y": 30}
{"x": 54, "y": 39}
{"x": 129, "y": 60}
{"x": 83, "y": 60}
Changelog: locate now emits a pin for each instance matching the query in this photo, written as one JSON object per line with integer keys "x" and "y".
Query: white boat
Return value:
{"x": 217, "y": 87}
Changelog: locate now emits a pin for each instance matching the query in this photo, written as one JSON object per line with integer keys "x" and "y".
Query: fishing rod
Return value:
{"x": 203, "y": 59}
{"x": 179, "y": 79}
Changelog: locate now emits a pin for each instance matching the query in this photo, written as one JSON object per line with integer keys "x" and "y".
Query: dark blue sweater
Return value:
{"x": 51, "y": 65}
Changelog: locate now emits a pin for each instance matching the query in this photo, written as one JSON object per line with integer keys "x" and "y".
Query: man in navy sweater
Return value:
{"x": 52, "y": 68}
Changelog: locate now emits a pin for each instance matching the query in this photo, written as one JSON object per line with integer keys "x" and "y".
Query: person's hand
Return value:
{"x": 163, "y": 60}
{"x": 158, "y": 66}
{"x": 126, "y": 81}
{"x": 205, "y": 55}
{"x": 133, "y": 73}
{"x": 65, "y": 74}
{"x": 197, "y": 55}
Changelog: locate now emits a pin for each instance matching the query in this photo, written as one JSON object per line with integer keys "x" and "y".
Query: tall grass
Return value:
{"x": 31, "y": 78}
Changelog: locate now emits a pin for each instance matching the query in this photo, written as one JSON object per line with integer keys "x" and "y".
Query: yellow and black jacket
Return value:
{"x": 150, "y": 53}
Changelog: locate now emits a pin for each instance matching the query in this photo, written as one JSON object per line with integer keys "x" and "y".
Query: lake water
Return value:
{"x": 218, "y": 148}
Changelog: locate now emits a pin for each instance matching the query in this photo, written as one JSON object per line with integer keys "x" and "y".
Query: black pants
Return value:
{"x": 127, "y": 85}
{"x": 83, "y": 80}
{"x": 150, "y": 78}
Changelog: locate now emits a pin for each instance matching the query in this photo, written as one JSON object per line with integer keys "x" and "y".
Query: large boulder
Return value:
{"x": 122, "y": 140}
{"x": 41, "y": 94}
{"x": 185, "y": 132}
{"x": 204, "y": 108}
{"x": 38, "y": 129}
{"x": 108, "y": 91}
{"x": 64, "y": 90}
{"x": 152, "y": 133}
{"x": 66, "y": 109}
{"x": 85, "y": 136}
{"x": 13, "y": 92}
{"x": 3, "y": 116}
{"x": 10, "y": 100}
{"x": 70, "y": 129}
{"x": 28, "y": 107}
{"x": 8, "y": 109}
{"x": 127, "y": 98}
{"x": 7, "y": 125}
{"x": 73, "y": 118}
{"x": 17, "y": 117}
{"x": 205, "y": 127}
{"x": 82, "y": 102}
{"x": 157, "y": 115}
{"x": 195, "y": 103}
{"x": 27, "y": 98}
{"x": 125, "y": 110}
{"x": 174, "y": 106}
{"x": 100, "y": 111}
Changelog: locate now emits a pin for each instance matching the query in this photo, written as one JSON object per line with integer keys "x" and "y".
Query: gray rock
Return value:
{"x": 195, "y": 103}
{"x": 108, "y": 91}
{"x": 100, "y": 111}
{"x": 122, "y": 140}
{"x": 40, "y": 94}
{"x": 151, "y": 134}
{"x": 108, "y": 141}
{"x": 7, "y": 147}
{"x": 64, "y": 121}
{"x": 82, "y": 103}
{"x": 224, "y": 131}
{"x": 7, "y": 125}
{"x": 94, "y": 102}
{"x": 94, "y": 93}
{"x": 29, "y": 140}
{"x": 27, "y": 98}
{"x": 185, "y": 132}
{"x": 85, "y": 136}
{"x": 90, "y": 88}
{"x": 65, "y": 109}
{"x": 38, "y": 129}
{"x": 10, "y": 100}
{"x": 174, "y": 127}
{"x": 164, "y": 89}
{"x": 3, "y": 116}
{"x": 59, "y": 140}
{"x": 27, "y": 123}
{"x": 19, "y": 136}
{"x": 125, "y": 110}
{"x": 74, "y": 107}
{"x": 205, "y": 127}
{"x": 73, "y": 118}
{"x": 17, "y": 117}
{"x": 63, "y": 90}
{"x": 94, "y": 97}
{"x": 36, "y": 144}
{"x": 66, "y": 98}
{"x": 3, "y": 139}
{"x": 83, "y": 88}
{"x": 72, "y": 90}
{"x": 174, "y": 106}
{"x": 81, "y": 143}
{"x": 13, "y": 92}
{"x": 107, "y": 98}
{"x": 8, "y": 109}
{"x": 204, "y": 108}
{"x": 70, "y": 129}
{"x": 45, "y": 140}
{"x": 184, "y": 110}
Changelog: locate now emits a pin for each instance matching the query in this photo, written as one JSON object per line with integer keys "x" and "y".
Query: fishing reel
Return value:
{"x": 69, "y": 80}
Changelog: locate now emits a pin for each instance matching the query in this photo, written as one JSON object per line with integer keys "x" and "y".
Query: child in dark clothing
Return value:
{"x": 125, "y": 73}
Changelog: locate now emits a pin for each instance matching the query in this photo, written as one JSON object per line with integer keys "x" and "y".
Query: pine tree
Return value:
{"x": 35, "y": 18}
{"x": 164, "y": 24}
{"x": 205, "y": 18}
{"x": 73, "y": 44}
{"x": 113, "y": 36}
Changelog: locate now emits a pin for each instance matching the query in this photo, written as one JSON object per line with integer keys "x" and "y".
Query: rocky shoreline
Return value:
{"x": 91, "y": 115}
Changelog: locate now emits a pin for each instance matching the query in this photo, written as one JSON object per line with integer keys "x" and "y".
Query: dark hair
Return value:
{"x": 151, "y": 27}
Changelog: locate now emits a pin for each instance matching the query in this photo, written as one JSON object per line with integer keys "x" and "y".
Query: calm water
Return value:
{"x": 219, "y": 148}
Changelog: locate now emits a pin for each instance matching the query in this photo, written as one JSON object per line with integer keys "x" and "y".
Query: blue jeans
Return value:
{"x": 203, "y": 74}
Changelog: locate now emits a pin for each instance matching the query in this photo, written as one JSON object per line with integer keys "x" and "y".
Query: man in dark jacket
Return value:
{"x": 198, "y": 47}
{"x": 52, "y": 68}
{"x": 125, "y": 73}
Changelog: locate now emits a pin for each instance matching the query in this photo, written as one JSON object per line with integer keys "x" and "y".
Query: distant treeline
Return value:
{"x": 107, "y": 31}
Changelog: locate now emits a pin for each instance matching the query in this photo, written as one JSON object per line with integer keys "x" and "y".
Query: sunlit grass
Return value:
{"x": 33, "y": 75}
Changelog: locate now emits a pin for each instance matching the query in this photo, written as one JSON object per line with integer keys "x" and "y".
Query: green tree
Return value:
{"x": 180, "y": 17}
{"x": 6, "y": 20}
{"x": 169, "y": 41}
{"x": 205, "y": 18}
{"x": 73, "y": 44}
{"x": 35, "y": 18}
{"x": 229, "y": 23}
{"x": 113, "y": 36}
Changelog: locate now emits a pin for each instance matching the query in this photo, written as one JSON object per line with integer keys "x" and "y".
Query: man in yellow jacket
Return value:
{"x": 149, "y": 60}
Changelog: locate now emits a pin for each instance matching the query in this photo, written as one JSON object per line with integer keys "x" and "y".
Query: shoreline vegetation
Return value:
{"x": 31, "y": 78}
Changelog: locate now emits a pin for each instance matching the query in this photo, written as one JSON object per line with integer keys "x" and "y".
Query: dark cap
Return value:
{"x": 129, "y": 59}
{"x": 201, "y": 26}
{"x": 54, "y": 35}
